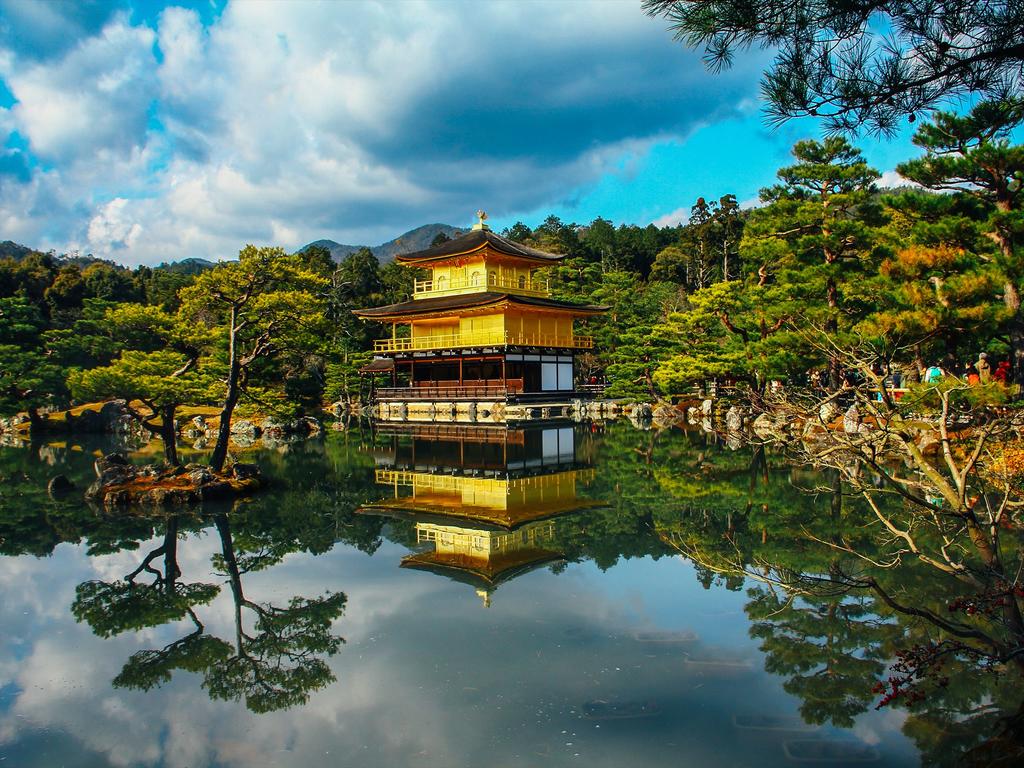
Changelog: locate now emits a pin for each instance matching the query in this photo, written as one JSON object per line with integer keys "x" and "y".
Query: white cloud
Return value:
{"x": 892, "y": 179}
{"x": 346, "y": 120}
{"x": 111, "y": 229}
{"x": 676, "y": 217}
{"x": 94, "y": 100}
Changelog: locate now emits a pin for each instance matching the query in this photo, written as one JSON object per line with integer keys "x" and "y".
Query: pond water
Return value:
{"x": 503, "y": 598}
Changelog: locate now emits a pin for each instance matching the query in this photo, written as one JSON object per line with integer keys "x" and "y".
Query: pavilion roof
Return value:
{"x": 473, "y": 516}
{"x": 476, "y": 240}
{"x": 415, "y": 307}
{"x": 479, "y": 573}
{"x": 379, "y": 365}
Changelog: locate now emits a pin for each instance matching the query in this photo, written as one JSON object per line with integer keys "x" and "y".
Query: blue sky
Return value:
{"x": 146, "y": 131}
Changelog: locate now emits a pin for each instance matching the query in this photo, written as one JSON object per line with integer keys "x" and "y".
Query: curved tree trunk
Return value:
{"x": 169, "y": 435}
{"x": 220, "y": 450}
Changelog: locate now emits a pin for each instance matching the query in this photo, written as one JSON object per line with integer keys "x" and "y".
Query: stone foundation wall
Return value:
{"x": 490, "y": 411}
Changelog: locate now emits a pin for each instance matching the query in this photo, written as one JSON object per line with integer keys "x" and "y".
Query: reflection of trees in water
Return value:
{"x": 33, "y": 522}
{"x": 280, "y": 662}
{"x": 829, "y": 648}
{"x": 836, "y": 604}
{"x": 277, "y": 655}
{"x": 740, "y": 517}
{"x": 111, "y": 608}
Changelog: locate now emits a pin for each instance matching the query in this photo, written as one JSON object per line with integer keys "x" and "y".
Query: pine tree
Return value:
{"x": 816, "y": 239}
{"x": 972, "y": 155}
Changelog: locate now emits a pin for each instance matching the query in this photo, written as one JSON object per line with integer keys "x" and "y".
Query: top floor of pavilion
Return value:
{"x": 480, "y": 261}
{"x": 481, "y": 294}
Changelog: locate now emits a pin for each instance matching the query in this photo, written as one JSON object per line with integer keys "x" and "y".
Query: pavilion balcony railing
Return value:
{"x": 444, "y": 391}
{"x": 459, "y": 340}
{"x": 431, "y": 288}
{"x": 460, "y": 483}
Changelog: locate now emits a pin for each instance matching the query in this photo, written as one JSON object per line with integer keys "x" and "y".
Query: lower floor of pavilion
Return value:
{"x": 474, "y": 375}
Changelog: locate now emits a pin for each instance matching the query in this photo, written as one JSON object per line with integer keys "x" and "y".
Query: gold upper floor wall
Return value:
{"x": 486, "y": 272}
{"x": 505, "y": 328}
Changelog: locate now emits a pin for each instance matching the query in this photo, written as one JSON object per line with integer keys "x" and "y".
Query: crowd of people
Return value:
{"x": 980, "y": 371}
{"x": 897, "y": 376}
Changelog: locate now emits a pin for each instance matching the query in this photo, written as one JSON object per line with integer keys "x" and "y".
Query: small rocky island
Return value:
{"x": 119, "y": 483}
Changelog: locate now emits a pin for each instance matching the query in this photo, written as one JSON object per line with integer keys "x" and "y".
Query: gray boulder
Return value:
{"x": 763, "y": 426}
{"x": 734, "y": 419}
{"x": 851, "y": 420}
{"x": 112, "y": 469}
{"x": 245, "y": 427}
{"x": 641, "y": 411}
{"x": 272, "y": 427}
{"x": 201, "y": 475}
{"x": 112, "y": 417}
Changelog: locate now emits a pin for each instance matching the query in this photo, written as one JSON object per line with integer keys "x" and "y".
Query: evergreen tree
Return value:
{"x": 249, "y": 313}
{"x": 163, "y": 372}
{"x": 816, "y": 237}
{"x": 28, "y": 378}
{"x": 972, "y": 155}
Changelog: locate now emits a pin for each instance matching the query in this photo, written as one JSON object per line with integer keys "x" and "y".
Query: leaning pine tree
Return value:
{"x": 249, "y": 312}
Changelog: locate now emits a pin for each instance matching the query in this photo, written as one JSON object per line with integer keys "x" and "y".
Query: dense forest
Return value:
{"x": 928, "y": 274}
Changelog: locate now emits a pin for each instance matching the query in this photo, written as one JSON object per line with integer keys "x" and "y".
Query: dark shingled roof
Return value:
{"x": 379, "y": 365}
{"x": 475, "y": 240}
{"x": 471, "y": 301}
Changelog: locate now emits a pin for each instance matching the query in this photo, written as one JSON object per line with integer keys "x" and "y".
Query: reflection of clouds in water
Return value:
{"x": 882, "y": 725}
{"x": 428, "y": 676}
{"x": 34, "y": 586}
{"x": 64, "y": 677}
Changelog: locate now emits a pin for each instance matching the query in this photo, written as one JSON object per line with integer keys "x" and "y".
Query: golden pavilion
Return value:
{"x": 483, "y": 501}
{"x": 481, "y": 339}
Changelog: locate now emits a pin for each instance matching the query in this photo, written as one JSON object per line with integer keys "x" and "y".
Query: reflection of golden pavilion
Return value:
{"x": 483, "y": 558}
{"x": 504, "y": 502}
{"x": 483, "y": 506}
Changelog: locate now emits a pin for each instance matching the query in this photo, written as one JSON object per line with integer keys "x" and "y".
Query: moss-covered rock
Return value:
{"x": 122, "y": 484}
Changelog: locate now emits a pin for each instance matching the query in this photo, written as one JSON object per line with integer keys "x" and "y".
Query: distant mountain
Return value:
{"x": 413, "y": 240}
{"x": 338, "y": 250}
{"x": 190, "y": 266}
{"x": 16, "y": 251}
{"x": 12, "y": 250}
